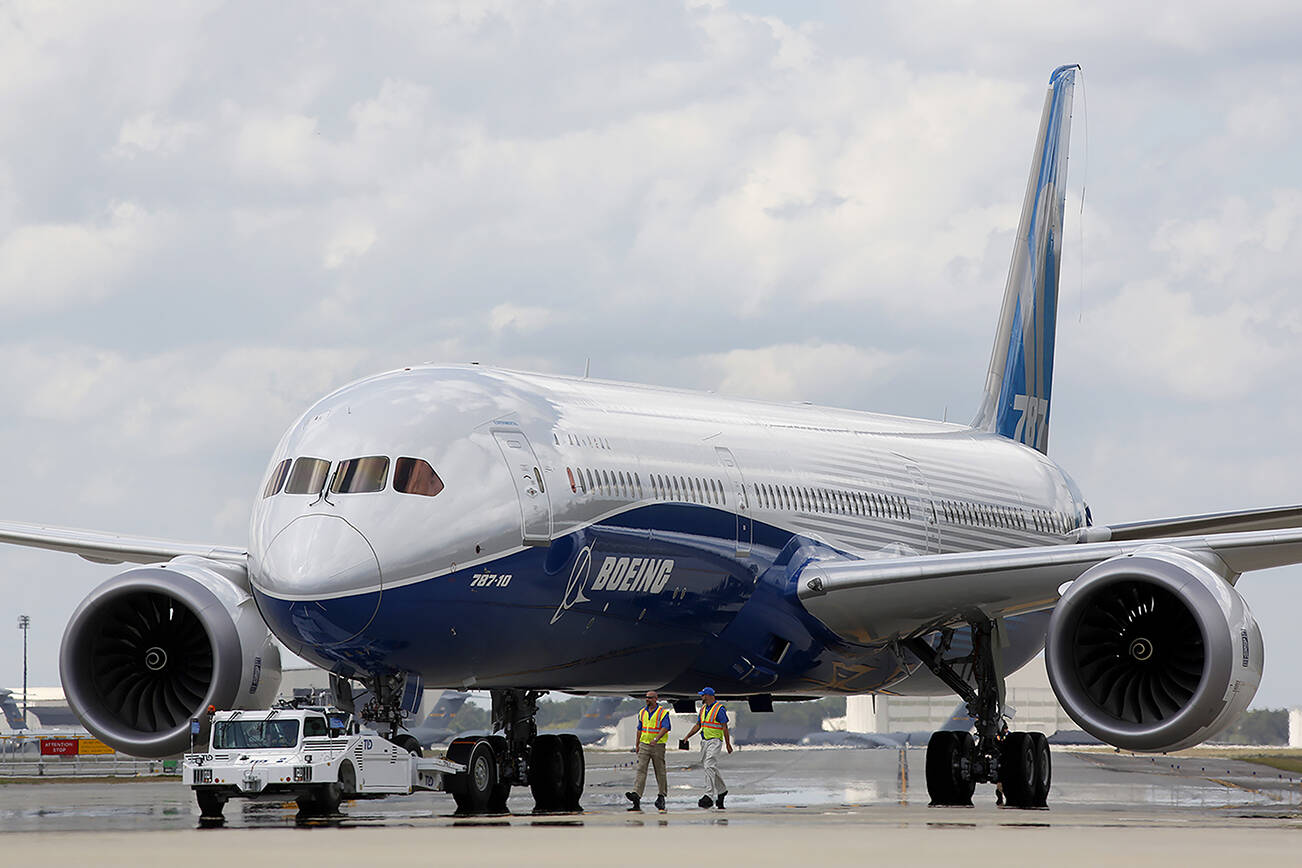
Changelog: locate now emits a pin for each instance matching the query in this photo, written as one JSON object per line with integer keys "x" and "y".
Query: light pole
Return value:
{"x": 24, "y": 624}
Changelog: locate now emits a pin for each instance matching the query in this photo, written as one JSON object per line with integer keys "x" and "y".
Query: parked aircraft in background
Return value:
{"x": 436, "y": 728}
{"x": 960, "y": 721}
{"x": 53, "y": 722}
{"x": 475, "y": 528}
{"x": 597, "y": 720}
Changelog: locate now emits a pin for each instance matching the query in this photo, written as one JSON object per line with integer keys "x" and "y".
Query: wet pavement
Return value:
{"x": 809, "y": 795}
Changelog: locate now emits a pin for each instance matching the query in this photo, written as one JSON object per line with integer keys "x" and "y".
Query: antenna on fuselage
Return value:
{"x": 587, "y": 367}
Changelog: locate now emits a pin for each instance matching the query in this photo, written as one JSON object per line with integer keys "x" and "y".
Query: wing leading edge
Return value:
{"x": 879, "y": 600}
{"x": 108, "y": 548}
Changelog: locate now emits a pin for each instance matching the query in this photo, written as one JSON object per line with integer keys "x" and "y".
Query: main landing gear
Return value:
{"x": 550, "y": 764}
{"x": 516, "y": 754}
{"x": 957, "y": 762}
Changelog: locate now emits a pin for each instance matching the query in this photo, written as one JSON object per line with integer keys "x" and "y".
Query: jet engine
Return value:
{"x": 1153, "y": 651}
{"x": 154, "y": 646}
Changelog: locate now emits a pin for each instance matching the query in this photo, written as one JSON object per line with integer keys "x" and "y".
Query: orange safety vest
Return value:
{"x": 652, "y": 726}
{"x": 709, "y": 720}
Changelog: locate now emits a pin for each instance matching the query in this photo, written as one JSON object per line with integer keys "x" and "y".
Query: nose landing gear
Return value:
{"x": 1019, "y": 762}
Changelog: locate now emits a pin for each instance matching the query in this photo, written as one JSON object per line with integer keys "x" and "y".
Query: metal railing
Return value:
{"x": 106, "y": 766}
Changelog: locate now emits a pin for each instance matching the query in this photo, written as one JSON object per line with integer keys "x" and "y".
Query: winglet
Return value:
{"x": 1020, "y": 378}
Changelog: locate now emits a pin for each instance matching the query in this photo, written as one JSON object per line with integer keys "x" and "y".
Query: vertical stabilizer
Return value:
{"x": 12, "y": 713}
{"x": 1020, "y": 379}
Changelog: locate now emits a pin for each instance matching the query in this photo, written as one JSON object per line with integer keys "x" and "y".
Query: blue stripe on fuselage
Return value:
{"x": 683, "y": 609}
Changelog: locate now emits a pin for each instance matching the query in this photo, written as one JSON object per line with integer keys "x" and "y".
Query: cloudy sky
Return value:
{"x": 213, "y": 213}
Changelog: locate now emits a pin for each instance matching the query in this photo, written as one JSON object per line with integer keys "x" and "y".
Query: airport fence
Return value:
{"x": 106, "y": 766}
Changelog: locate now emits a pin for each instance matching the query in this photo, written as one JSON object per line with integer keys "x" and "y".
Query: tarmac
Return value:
{"x": 786, "y": 806}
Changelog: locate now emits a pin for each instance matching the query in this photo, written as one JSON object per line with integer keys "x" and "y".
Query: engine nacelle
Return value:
{"x": 1153, "y": 651}
{"x": 154, "y": 646}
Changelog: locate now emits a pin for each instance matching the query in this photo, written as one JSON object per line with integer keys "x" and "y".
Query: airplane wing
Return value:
{"x": 1272, "y": 518}
{"x": 109, "y": 548}
{"x": 869, "y": 601}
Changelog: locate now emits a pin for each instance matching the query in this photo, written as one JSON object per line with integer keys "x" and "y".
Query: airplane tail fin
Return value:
{"x": 600, "y": 713}
{"x": 13, "y": 714}
{"x": 1020, "y": 379}
{"x": 449, "y": 703}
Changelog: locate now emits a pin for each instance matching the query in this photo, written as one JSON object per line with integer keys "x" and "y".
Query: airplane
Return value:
{"x": 17, "y": 737}
{"x": 959, "y": 721}
{"x": 591, "y": 727}
{"x": 469, "y": 527}
{"x": 434, "y": 728}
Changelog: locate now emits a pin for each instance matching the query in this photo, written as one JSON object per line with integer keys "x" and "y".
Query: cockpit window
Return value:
{"x": 308, "y": 476}
{"x": 361, "y": 475}
{"x": 415, "y": 476}
{"x": 277, "y": 480}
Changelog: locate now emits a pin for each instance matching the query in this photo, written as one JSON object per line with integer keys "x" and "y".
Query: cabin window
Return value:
{"x": 278, "y": 476}
{"x": 314, "y": 726}
{"x": 308, "y": 476}
{"x": 416, "y": 476}
{"x": 361, "y": 475}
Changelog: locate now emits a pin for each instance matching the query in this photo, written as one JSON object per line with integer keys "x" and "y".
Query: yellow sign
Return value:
{"x": 92, "y": 746}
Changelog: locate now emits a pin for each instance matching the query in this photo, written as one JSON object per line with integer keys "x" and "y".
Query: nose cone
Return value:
{"x": 321, "y": 579}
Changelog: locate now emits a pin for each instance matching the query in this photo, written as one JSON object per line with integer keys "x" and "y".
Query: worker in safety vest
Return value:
{"x": 652, "y": 736}
{"x": 712, "y": 723}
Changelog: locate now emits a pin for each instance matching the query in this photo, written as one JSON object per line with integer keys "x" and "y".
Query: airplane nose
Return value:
{"x": 326, "y": 574}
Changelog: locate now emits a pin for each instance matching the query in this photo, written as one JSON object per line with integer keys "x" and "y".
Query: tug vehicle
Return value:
{"x": 316, "y": 756}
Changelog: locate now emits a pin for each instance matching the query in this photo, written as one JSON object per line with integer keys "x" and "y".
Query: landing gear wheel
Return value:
{"x": 211, "y": 805}
{"x": 1017, "y": 769}
{"x": 547, "y": 773}
{"x": 949, "y": 764}
{"x": 1043, "y": 770}
{"x": 473, "y": 790}
{"x": 323, "y": 801}
{"x": 409, "y": 744}
{"x": 572, "y": 761}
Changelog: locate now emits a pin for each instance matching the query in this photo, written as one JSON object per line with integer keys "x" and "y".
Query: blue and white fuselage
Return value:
{"x": 592, "y": 535}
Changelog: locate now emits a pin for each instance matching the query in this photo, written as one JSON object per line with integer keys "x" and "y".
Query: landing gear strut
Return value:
{"x": 957, "y": 762}
{"x": 550, "y": 764}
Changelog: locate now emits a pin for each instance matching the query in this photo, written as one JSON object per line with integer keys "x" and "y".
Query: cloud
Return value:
{"x": 789, "y": 372}
{"x": 48, "y": 267}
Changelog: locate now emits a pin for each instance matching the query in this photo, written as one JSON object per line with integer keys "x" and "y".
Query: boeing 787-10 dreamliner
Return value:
{"x": 466, "y": 527}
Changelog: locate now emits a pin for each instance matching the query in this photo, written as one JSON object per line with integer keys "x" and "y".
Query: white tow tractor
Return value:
{"x": 317, "y": 756}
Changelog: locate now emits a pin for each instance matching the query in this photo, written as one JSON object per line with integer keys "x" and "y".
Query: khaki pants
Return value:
{"x": 654, "y": 754}
{"x": 710, "y": 748}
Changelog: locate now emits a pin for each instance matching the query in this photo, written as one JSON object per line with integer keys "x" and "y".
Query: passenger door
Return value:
{"x": 737, "y": 488}
{"x": 526, "y": 473}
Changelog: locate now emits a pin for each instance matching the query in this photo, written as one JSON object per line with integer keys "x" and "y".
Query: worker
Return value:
{"x": 652, "y": 736}
{"x": 712, "y": 723}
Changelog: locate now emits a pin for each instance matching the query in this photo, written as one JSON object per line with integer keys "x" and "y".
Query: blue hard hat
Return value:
{"x": 707, "y": 691}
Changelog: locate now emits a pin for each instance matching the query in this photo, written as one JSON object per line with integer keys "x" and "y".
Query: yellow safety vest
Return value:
{"x": 709, "y": 720}
{"x": 652, "y": 724}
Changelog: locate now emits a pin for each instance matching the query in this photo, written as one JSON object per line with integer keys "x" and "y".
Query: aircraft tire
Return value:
{"x": 211, "y": 805}
{"x": 547, "y": 773}
{"x": 964, "y": 783}
{"x": 574, "y": 768}
{"x": 473, "y": 790}
{"x": 942, "y": 756}
{"x": 1043, "y": 770}
{"x": 1017, "y": 769}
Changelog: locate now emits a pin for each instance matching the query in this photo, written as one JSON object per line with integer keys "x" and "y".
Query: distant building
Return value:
{"x": 1028, "y": 694}
{"x": 1295, "y": 727}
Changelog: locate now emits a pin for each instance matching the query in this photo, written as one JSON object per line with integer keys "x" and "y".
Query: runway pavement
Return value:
{"x": 786, "y": 806}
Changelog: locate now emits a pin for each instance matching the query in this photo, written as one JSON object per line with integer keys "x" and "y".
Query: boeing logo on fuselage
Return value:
{"x": 620, "y": 575}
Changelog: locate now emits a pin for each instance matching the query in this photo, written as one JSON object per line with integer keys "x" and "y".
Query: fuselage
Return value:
{"x": 579, "y": 534}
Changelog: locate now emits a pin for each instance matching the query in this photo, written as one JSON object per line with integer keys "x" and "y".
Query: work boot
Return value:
{"x": 635, "y": 799}
{"x": 706, "y": 802}
{"x": 719, "y": 803}
{"x": 660, "y": 802}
